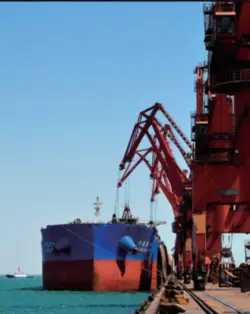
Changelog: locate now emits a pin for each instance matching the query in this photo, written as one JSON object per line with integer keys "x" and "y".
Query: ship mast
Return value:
{"x": 97, "y": 209}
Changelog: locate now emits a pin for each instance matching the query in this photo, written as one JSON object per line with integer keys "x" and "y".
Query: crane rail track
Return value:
{"x": 208, "y": 309}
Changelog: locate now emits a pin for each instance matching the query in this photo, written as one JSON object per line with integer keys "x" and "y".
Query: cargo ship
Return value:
{"x": 120, "y": 255}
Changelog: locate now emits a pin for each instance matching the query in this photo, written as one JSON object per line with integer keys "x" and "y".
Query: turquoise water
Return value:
{"x": 26, "y": 296}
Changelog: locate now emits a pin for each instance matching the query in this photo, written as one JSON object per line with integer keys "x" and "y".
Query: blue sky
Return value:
{"x": 74, "y": 77}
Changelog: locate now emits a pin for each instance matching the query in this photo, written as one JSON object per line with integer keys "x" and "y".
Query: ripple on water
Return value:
{"x": 21, "y": 296}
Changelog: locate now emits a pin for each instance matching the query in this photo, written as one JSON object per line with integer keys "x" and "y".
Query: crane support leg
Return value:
{"x": 214, "y": 244}
{"x": 188, "y": 261}
{"x": 199, "y": 250}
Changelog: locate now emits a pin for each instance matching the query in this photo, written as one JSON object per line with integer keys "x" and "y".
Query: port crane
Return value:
{"x": 168, "y": 177}
{"x": 214, "y": 197}
{"x": 220, "y": 129}
{"x": 164, "y": 170}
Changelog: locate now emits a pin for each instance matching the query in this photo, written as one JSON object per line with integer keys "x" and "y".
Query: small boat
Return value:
{"x": 18, "y": 274}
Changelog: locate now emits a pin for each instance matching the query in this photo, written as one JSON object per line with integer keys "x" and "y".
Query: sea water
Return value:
{"x": 21, "y": 296}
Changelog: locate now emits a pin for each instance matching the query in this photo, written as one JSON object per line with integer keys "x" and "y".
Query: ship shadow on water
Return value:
{"x": 29, "y": 289}
{"x": 71, "y": 291}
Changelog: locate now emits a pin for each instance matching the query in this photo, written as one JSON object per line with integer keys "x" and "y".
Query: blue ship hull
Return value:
{"x": 102, "y": 257}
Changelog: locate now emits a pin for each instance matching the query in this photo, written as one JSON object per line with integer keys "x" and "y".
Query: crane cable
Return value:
{"x": 153, "y": 208}
{"x": 156, "y": 206}
{"x": 151, "y": 201}
{"x": 117, "y": 197}
{"x": 127, "y": 193}
{"x": 151, "y": 211}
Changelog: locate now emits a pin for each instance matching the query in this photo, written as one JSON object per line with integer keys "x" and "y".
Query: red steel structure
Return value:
{"x": 221, "y": 190}
{"x": 172, "y": 186}
{"x": 215, "y": 197}
{"x": 161, "y": 182}
{"x": 167, "y": 175}
{"x": 200, "y": 127}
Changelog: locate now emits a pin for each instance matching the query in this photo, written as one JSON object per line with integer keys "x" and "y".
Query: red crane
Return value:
{"x": 202, "y": 131}
{"x": 167, "y": 175}
{"x": 221, "y": 154}
{"x": 160, "y": 180}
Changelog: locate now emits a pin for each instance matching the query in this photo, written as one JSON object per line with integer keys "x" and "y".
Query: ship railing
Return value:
{"x": 154, "y": 223}
{"x": 199, "y": 118}
{"x": 233, "y": 77}
{"x": 222, "y": 6}
{"x": 225, "y": 6}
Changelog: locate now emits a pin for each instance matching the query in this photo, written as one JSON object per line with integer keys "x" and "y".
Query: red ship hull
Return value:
{"x": 99, "y": 275}
{"x": 103, "y": 257}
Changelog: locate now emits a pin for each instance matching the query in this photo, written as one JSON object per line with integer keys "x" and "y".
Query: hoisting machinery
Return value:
{"x": 167, "y": 175}
{"x": 221, "y": 193}
{"x": 214, "y": 198}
